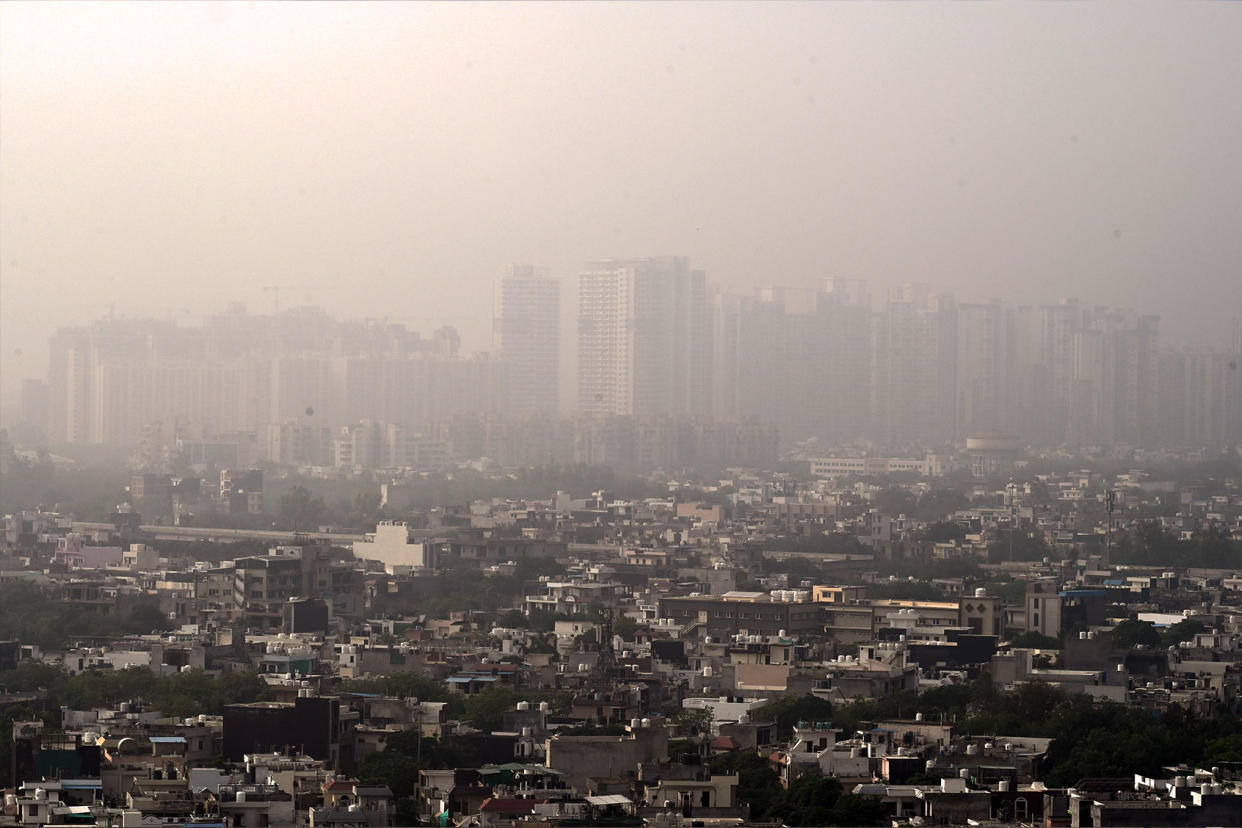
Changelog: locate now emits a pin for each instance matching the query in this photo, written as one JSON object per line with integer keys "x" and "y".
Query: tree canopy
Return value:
{"x": 1150, "y": 544}
{"x": 1133, "y": 633}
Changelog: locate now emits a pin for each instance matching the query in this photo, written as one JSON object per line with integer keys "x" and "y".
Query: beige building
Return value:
{"x": 580, "y": 758}
{"x": 851, "y": 617}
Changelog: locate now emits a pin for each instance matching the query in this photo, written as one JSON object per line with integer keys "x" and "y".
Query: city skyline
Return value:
{"x": 614, "y": 413}
{"x": 910, "y": 370}
{"x": 200, "y": 154}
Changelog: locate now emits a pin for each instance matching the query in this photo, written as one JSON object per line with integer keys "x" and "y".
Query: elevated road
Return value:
{"x": 193, "y": 533}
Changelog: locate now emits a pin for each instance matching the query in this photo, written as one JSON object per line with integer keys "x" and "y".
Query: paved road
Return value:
{"x": 207, "y": 533}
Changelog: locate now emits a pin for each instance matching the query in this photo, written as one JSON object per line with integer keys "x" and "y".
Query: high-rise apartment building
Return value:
{"x": 916, "y": 367}
{"x": 110, "y": 380}
{"x": 1200, "y": 399}
{"x": 843, "y": 321}
{"x": 644, "y": 338}
{"x": 764, "y": 367}
{"x": 984, "y": 367}
{"x": 1060, "y": 325}
{"x": 527, "y": 332}
{"x": 812, "y": 351}
{"x": 726, "y": 317}
{"x": 69, "y": 385}
{"x": 1092, "y": 380}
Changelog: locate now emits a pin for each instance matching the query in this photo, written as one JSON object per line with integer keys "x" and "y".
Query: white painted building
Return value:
{"x": 390, "y": 544}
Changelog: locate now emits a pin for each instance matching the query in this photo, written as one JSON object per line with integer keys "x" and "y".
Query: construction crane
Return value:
{"x": 275, "y": 291}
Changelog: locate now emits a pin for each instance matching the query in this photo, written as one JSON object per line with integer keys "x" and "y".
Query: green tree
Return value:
{"x": 905, "y": 590}
{"x": 531, "y": 569}
{"x": 1223, "y": 749}
{"x": 952, "y": 699}
{"x": 366, "y": 509}
{"x": 1018, "y": 545}
{"x": 895, "y": 501}
{"x": 817, "y": 543}
{"x": 300, "y": 510}
{"x": 695, "y": 722}
{"x": 1012, "y": 592}
{"x": 1184, "y": 630}
{"x": 1036, "y": 641}
{"x": 808, "y": 801}
{"x": 814, "y": 800}
{"x": 485, "y": 710}
{"x": 9, "y": 715}
{"x": 513, "y": 620}
{"x": 401, "y": 685}
{"x": 625, "y": 626}
{"x": 404, "y": 755}
{"x": 406, "y": 811}
{"x": 934, "y": 505}
{"x": 944, "y": 532}
{"x": 1132, "y": 633}
{"x": 397, "y": 770}
{"x": 1151, "y": 544}
{"x": 758, "y": 782}
{"x": 791, "y": 710}
{"x": 145, "y": 618}
{"x": 859, "y": 810}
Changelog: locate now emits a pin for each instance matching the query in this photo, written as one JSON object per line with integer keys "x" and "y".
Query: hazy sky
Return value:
{"x": 390, "y": 160}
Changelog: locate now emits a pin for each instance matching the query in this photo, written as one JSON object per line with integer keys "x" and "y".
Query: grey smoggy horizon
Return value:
{"x": 392, "y": 160}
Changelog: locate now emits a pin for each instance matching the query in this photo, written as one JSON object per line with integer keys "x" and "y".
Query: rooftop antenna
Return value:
{"x": 1110, "y": 499}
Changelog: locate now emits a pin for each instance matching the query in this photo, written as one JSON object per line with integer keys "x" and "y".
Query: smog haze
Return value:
{"x": 391, "y": 160}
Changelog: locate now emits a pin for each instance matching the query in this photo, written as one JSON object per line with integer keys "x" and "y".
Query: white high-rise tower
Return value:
{"x": 527, "y": 333}
{"x": 644, "y": 338}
